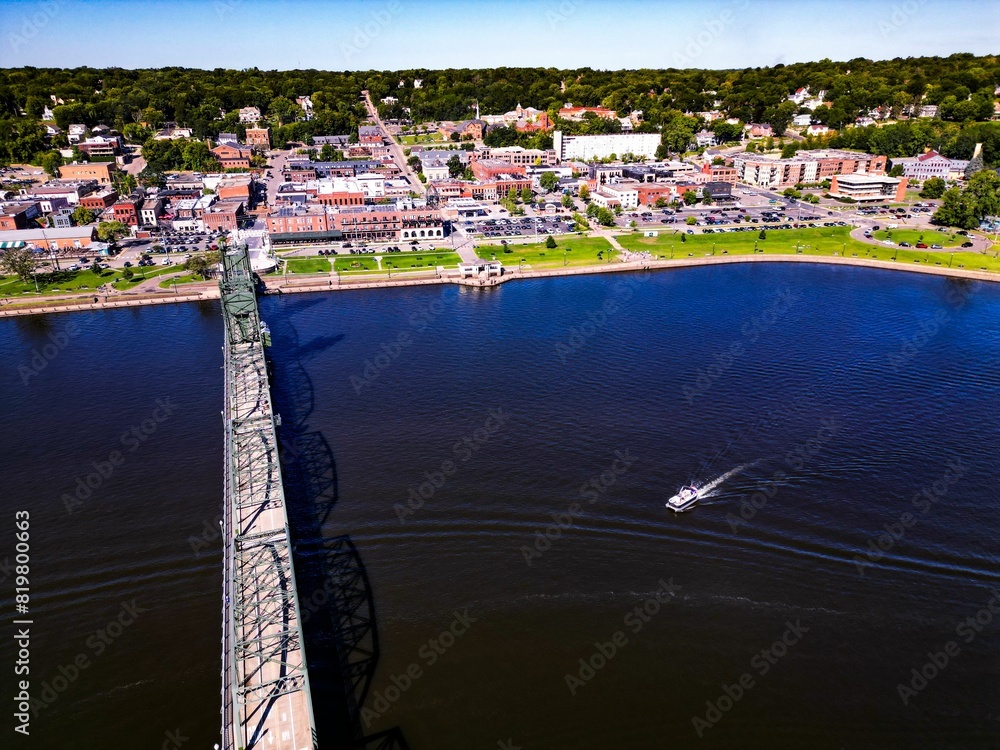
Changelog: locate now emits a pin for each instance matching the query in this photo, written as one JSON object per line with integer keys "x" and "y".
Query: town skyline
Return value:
{"x": 398, "y": 35}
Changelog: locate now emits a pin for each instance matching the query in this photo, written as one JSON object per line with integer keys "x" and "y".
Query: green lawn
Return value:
{"x": 141, "y": 274}
{"x": 412, "y": 261}
{"x": 188, "y": 278}
{"x": 409, "y": 140}
{"x": 820, "y": 241}
{"x": 309, "y": 265}
{"x": 570, "y": 250}
{"x": 407, "y": 261}
{"x": 913, "y": 236}
{"x": 62, "y": 282}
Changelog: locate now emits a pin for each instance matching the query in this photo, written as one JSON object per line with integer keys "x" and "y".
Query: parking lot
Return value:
{"x": 518, "y": 226}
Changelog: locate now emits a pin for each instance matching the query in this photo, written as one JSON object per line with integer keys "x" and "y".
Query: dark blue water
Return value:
{"x": 500, "y": 461}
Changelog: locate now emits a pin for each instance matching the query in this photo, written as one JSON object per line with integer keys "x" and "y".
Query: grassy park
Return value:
{"x": 309, "y": 265}
{"x": 570, "y": 250}
{"x": 820, "y": 241}
{"x": 913, "y": 236}
{"x": 409, "y": 261}
{"x": 62, "y": 282}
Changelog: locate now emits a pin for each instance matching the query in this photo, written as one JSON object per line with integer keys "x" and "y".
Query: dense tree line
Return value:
{"x": 136, "y": 102}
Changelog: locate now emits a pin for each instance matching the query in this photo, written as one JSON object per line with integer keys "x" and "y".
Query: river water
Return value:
{"x": 500, "y": 461}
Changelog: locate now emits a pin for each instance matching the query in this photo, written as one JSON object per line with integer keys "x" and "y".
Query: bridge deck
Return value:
{"x": 266, "y": 699}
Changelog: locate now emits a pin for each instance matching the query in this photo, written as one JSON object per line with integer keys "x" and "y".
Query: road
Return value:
{"x": 395, "y": 148}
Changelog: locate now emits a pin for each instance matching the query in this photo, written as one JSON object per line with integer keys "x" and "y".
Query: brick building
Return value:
{"x": 259, "y": 137}
{"x": 101, "y": 172}
{"x": 232, "y": 155}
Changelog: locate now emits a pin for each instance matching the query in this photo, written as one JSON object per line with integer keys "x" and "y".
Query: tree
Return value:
{"x": 197, "y": 264}
{"x": 605, "y": 217}
{"x": 95, "y": 267}
{"x": 109, "y": 231}
{"x": 567, "y": 200}
{"x": 21, "y": 263}
{"x": 934, "y": 187}
{"x": 584, "y": 193}
{"x": 127, "y": 274}
{"x": 548, "y": 181}
{"x": 415, "y": 164}
{"x": 956, "y": 210}
{"x": 550, "y": 242}
{"x": 780, "y": 117}
{"x": 983, "y": 192}
{"x": 526, "y": 195}
{"x": 690, "y": 221}
{"x": 660, "y": 202}
{"x": 512, "y": 196}
{"x": 51, "y": 161}
{"x": 455, "y": 166}
{"x": 690, "y": 198}
{"x": 592, "y": 209}
{"x": 82, "y": 216}
{"x": 329, "y": 152}
{"x": 762, "y": 235}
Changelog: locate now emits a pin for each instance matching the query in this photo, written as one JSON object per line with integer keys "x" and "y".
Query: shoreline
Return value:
{"x": 278, "y": 286}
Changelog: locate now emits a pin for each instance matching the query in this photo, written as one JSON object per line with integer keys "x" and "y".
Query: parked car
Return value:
{"x": 921, "y": 245}
{"x": 128, "y": 264}
{"x": 936, "y": 247}
{"x": 966, "y": 244}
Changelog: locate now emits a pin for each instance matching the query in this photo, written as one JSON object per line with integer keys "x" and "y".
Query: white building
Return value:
{"x": 931, "y": 164}
{"x": 625, "y": 193}
{"x": 590, "y": 147}
{"x": 249, "y": 115}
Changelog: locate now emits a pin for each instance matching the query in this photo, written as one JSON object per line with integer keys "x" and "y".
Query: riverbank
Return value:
{"x": 330, "y": 284}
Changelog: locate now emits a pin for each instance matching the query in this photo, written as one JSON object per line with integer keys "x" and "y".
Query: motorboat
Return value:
{"x": 685, "y": 498}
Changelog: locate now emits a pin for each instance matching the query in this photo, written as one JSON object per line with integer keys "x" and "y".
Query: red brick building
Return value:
{"x": 259, "y": 137}
{"x": 223, "y": 215}
{"x": 126, "y": 210}
{"x": 99, "y": 201}
{"x": 720, "y": 173}
{"x": 491, "y": 169}
{"x": 232, "y": 155}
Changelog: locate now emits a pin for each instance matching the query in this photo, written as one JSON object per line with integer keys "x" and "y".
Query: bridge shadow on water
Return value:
{"x": 336, "y": 603}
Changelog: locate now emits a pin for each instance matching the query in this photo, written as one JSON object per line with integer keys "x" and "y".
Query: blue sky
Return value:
{"x": 398, "y": 34}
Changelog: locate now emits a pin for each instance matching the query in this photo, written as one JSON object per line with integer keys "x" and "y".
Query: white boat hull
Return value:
{"x": 684, "y": 500}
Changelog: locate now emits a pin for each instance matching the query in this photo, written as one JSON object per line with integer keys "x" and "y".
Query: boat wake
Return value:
{"x": 708, "y": 488}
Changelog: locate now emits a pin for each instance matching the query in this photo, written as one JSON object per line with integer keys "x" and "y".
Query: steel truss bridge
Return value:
{"x": 266, "y": 701}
